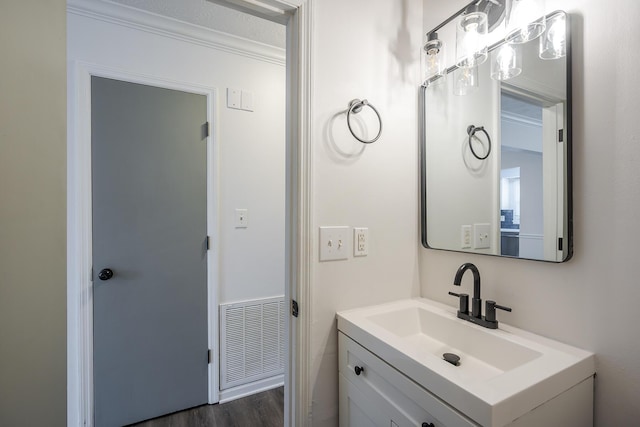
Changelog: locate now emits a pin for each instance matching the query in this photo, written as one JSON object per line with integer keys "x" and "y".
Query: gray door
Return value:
{"x": 149, "y": 228}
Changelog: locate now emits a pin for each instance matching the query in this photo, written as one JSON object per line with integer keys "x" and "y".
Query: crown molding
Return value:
{"x": 520, "y": 119}
{"x": 130, "y": 17}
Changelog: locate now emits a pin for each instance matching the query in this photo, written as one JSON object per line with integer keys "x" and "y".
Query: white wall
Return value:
{"x": 251, "y": 145}
{"x": 531, "y": 192}
{"x": 33, "y": 214}
{"x": 537, "y": 74}
{"x": 362, "y": 49}
{"x": 459, "y": 183}
{"x": 211, "y": 15}
{"x": 592, "y": 300}
{"x": 531, "y": 200}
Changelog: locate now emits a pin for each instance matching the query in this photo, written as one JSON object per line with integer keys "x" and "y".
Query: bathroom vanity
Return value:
{"x": 392, "y": 372}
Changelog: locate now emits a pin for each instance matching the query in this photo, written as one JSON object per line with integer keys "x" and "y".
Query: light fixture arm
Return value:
{"x": 454, "y": 16}
{"x": 478, "y": 5}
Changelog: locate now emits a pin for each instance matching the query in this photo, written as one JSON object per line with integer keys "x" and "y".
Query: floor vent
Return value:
{"x": 252, "y": 341}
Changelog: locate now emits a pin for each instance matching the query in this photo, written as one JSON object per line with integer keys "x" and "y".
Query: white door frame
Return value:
{"x": 299, "y": 239}
{"x": 300, "y": 242}
{"x": 297, "y": 15}
{"x": 79, "y": 249}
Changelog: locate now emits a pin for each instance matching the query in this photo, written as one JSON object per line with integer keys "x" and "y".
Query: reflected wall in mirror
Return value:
{"x": 517, "y": 201}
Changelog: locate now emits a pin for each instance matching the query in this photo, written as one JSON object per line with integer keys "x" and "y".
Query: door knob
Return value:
{"x": 105, "y": 274}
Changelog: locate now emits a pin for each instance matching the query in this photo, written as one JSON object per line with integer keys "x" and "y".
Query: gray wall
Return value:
{"x": 33, "y": 213}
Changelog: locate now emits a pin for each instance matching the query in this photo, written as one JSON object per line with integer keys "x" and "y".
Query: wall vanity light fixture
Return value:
{"x": 433, "y": 57}
{"x": 471, "y": 39}
{"x": 506, "y": 62}
{"x": 525, "y": 20}
{"x": 553, "y": 43}
{"x": 473, "y": 23}
{"x": 505, "y": 23}
{"x": 465, "y": 81}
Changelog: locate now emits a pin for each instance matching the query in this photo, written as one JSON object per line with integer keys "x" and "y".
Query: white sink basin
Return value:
{"x": 502, "y": 373}
{"x": 483, "y": 355}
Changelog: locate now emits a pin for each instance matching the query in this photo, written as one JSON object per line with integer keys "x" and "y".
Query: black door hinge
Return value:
{"x": 207, "y": 242}
{"x": 559, "y": 243}
{"x": 294, "y": 308}
{"x": 560, "y": 135}
{"x": 209, "y": 356}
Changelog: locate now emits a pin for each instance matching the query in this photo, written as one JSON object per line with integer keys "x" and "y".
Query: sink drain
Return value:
{"x": 454, "y": 359}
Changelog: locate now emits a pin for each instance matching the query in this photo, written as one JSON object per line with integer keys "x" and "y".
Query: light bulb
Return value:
{"x": 506, "y": 63}
{"x": 471, "y": 43}
{"x": 471, "y": 26}
{"x": 465, "y": 80}
{"x": 433, "y": 57}
{"x": 525, "y": 21}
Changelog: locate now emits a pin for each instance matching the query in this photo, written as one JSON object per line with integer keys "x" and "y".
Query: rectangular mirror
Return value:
{"x": 496, "y": 154}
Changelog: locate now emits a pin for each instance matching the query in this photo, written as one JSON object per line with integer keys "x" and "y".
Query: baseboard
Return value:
{"x": 251, "y": 388}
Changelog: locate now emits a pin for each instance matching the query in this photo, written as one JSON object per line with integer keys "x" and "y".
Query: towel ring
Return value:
{"x": 471, "y": 131}
{"x": 355, "y": 106}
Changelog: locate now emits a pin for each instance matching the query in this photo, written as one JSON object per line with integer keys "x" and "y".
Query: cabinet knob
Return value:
{"x": 358, "y": 370}
{"x": 428, "y": 425}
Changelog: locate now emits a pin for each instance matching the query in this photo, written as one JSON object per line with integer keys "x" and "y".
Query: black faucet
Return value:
{"x": 489, "y": 321}
{"x": 476, "y": 302}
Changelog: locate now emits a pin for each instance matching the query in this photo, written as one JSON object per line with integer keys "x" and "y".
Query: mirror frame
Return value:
{"x": 568, "y": 134}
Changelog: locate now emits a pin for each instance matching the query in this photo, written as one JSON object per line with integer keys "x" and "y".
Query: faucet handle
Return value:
{"x": 490, "y": 310}
{"x": 464, "y": 302}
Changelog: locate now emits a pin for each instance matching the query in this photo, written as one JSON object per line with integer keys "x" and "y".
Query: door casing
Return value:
{"x": 149, "y": 140}
{"x": 79, "y": 225}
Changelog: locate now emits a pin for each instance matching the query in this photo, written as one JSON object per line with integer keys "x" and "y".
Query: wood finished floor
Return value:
{"x": 264, "y": 409}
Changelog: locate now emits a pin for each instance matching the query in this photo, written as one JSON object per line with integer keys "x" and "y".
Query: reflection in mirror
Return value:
{"x": 517, "y": 201}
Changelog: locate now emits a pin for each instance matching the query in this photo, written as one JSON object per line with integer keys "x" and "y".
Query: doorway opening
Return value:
{"x": 80, "y": 346}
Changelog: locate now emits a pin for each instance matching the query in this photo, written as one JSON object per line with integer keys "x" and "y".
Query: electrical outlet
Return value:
{"x": 360, "y": 241}
{"x": 481, "y": 233}
{"x": 465, "y": 237}
{"x": 334, "y": 244}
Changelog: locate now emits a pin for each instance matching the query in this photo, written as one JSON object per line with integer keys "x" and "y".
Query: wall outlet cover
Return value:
{"x": 465, "y": 237}
{"x": 360, "y": 241}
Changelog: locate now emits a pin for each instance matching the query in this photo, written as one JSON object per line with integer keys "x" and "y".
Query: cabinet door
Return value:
{"x": 364, "y": 408}
{"x": 371, "y": 387}
{"x": 355, "y": 410}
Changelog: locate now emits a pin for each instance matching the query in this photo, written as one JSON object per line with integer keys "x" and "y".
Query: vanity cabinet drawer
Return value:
{"x": 373, "y": 391}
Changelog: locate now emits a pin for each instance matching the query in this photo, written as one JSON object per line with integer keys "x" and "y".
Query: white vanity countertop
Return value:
{"x": 503, "y": 373}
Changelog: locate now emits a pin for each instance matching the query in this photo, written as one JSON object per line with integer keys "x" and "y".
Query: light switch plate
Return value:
{"x": 334, "y": 243}
{"x": 241, "y": 218}
{"x": 481, "y": 236}
{"x": 246, "y": 100}
{"x": 234, "y": 98}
